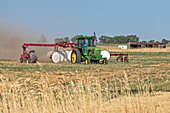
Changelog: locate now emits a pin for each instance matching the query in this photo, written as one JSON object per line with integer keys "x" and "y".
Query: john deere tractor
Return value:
{"x": 86, "y": 51}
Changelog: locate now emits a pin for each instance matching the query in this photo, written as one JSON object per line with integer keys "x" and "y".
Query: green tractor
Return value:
{"x": 86, "y": 51}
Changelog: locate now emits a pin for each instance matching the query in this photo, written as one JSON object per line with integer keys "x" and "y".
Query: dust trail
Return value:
{"x": 11, "y": 40}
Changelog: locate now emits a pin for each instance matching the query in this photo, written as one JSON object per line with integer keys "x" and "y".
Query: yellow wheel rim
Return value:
{"x": 73, "y": 57}
{"x": 86, "y": 61}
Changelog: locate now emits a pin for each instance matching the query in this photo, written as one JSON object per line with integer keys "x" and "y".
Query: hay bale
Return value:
{"x": 105, "y": 54}
{"x": 56, "y": 57}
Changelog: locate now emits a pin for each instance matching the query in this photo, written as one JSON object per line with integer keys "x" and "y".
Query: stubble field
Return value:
{"x": 141, "y": 85}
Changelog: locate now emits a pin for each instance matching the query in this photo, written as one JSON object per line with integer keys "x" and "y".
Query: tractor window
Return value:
{"x": 80, "y": 42}
{"x": 85, "y": 42}
{"x": 90, "y": 42}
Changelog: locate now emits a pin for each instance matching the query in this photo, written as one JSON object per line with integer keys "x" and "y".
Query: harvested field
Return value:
{"x": 142, "y": 85}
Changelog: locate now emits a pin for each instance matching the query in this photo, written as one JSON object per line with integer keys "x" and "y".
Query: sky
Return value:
{"x": 148, "y": 19}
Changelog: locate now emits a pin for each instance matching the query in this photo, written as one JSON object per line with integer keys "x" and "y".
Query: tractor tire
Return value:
{"x": 119, "y": 59}
{"x": 33, "y": 57}
{"x": 75, "y": 56}
{"x": 105, "y": 61}
{"x": 87, "y": 61}
{"x": 25, "y": 60}
{"x": 126, "y": 59}
{"x": 21, "y": 60}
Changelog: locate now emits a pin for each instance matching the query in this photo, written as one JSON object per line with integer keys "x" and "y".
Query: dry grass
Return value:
{"x": 32, "y": 95}
{"x": 142, "y": 85}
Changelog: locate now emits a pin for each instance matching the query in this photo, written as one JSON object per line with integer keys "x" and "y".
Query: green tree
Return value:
{"x": 165, "y": 41}
{"x": 66, "y": 39}
{"x": 102, "y": 39}
{"x": 133, "y": 38}
{"x": 75, "y": 37}
{"x": 157, "y": 42}
{"x": 152, "y": 41}
{"x": 143, "y": 41}
{"x": 59, "y": 40}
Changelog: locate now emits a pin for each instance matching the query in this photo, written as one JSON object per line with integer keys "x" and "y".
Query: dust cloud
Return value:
{"x": 11, "y": 40}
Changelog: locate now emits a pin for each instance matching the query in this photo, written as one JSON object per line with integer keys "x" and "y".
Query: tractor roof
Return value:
{"x": 82, "y": 37}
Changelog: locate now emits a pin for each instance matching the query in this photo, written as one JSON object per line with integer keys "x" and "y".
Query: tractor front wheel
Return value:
{"x": 87, "y": 61}
{"x": 105, "y": 61}
{"x": 75, "y": 56}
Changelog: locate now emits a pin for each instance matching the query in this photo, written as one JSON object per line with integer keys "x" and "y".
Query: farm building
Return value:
{"x": 147, "y": 45}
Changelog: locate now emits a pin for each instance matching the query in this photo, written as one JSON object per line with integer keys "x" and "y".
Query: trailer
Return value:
{"x": 121, "y": 57}
{"x": 29, "y": 56}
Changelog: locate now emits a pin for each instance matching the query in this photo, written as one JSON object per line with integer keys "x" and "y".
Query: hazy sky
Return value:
{"x": 148, "y": 19}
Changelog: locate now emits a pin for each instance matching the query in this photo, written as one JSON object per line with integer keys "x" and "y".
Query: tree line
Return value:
{"x": 110, "y": 40}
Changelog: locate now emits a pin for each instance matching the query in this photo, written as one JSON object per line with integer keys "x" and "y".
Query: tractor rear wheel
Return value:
{"x": 75, "y": 56}
{"x": 119, "y": 59}
{"x": 87, "y": 61}
{"x": 105, "y": 61}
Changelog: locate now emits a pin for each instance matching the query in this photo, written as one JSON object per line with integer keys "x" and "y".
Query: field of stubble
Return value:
{"x": 141, "y": 85}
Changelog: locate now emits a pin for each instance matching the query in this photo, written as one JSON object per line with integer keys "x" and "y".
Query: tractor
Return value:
{"x": 86, "y": 51}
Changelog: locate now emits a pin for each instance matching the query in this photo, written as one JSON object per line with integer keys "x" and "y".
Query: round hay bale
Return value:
{"x": 69, "y": 56}
{"x": 105, "y": 54}
{"x": 65, "y": 55}
{"x": 55, "y": 57}
{"x": 49, "y": 54}
{"x": 62, "y": 55}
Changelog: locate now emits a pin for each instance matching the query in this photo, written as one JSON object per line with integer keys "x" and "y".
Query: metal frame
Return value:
{"x": 119, "y": 54}
{"x": 56, "y": 45}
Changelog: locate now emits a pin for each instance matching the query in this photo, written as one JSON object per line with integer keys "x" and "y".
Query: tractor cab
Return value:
{"x": 86, "y": 41}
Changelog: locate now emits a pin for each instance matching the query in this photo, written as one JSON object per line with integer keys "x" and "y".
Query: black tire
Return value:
{"x": 26, "y": 60}
{"x": 33, "y": 57}
{"x": 119, "y": 59}
{"x": 126, "y": 59}
{"x": 75, "y": 56}
{"x": 97, "y": 61}
{"x": 87, "y": 61}
{"x": 105, "y": 61}
{"x": 21, "y": 60}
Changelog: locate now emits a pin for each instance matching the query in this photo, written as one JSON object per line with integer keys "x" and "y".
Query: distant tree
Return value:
{"x": 59, "y": 40}
{"x": 102, "y": 39}
{"x": 75, "y": 37}
{"x": 118, "y": 39}
{"x": 108, "y": 39}
{"x": 152, "y": 41}
{"x": 133, "y": 38}
{"x": 165, "y": 41}
{"x": 157, "y": 42}
{"x": 144, "y": 41}
{"x": 42, "y": 39}
{"x": 66, "y": 39}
